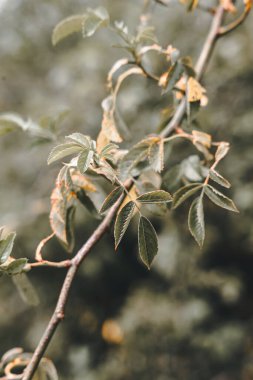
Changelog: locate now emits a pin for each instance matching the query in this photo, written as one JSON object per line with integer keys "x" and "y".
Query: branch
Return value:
{"x": 199, "y": 68}
{"x": 58, "y": 314}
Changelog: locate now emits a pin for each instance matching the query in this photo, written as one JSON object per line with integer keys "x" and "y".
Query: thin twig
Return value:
{"x": 58, "y": 314}
{"x": 224, "y": 30}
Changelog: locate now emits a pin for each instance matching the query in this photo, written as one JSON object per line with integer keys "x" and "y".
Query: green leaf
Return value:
{"x": 174, "y": 74}
{"x": 111, "y": 199}
{"x": 70, "y": 216}
{"x": 93, "y": 20}
{"x": 157, "y": 196}
{"x": 220, "y": 199}
{"x": 16, "y": 267}
{"x": 84, "y": 160}
{"x": 147, "y": 241}
{"x": 172, "y": 178}
{"x": 87, "y": 202}
{"x": 196, "y": 220}
{"x": 184, "y": 193}
{"x": 80, "y": 139}
{"x": 6, "y": 247}
{"x": 122, "y": 221}
{"x": 217, "y": 177}
{"x": 87, "y": 23}
{"x": 135, "y": 155}
{"x": 66, "y": 27}
{"x": 63, "y": 150}
{"x": 222, "y": 151}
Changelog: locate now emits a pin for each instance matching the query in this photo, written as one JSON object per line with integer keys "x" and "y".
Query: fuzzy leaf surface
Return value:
{"x": 220, "y": 199}
{"x": 217, "y": 177}
{"x": 184, "y": 193}
{"x": 196, "y": 220}
{"x": 157, "y": 196}
{"x": 63, "y": 150}
{"x": 111, "y": 199}
{"x": 122, "y": 221}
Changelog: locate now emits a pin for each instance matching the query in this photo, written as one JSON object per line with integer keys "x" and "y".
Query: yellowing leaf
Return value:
{"x": 202, "y": 138}
{"x": 83, "y": 182}
{"x": 102, "y": 141}
{"x": 109, "y": 128}
{"x": 195, "y": 91}
{"x": 156, "y": 155}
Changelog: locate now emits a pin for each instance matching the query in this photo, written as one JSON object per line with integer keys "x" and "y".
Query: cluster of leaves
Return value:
{"x": 148, "y": 157}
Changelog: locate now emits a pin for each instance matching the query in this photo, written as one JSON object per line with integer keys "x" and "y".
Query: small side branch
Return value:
{"x": 224, "y": 30}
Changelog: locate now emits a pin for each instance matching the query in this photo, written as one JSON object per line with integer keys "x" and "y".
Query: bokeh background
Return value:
{"x": 191, "y": 316}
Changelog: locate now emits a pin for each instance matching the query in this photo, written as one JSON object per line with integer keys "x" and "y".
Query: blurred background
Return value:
{"x": 191, "y": 316}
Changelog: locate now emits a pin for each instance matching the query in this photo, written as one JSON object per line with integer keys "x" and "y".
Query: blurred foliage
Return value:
{"x": 190, "y": 317}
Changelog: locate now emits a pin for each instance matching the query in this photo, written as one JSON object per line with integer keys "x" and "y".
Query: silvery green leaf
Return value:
{"x": 111, "y": 199}
{"x": 184, "y": 193}
{"x": 6, "y": 246}
{"x": 122, "y": 221}
{"x": 217, "y": 177}
{"x": 84, "y": 160}
{"x": 80, "y": 139}
{"x": 16, "y": 266}
{"x": 156, "y": 196}
{"x": 63, "y": 150}
{"x": 220, "y": 199}
{"x": 196, "y": 220}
